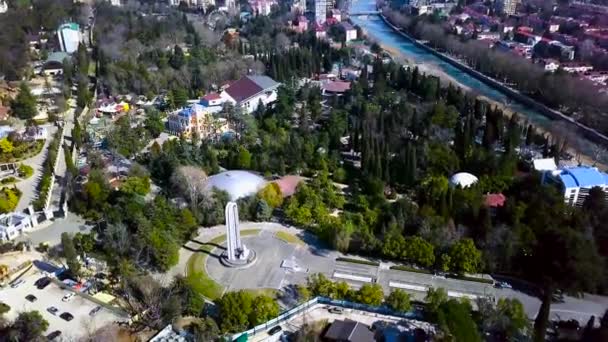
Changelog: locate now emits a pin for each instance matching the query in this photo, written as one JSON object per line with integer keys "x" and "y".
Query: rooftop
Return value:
{"x": 582, "y": 177}
{"x": 336, "y": 86}
{"x": 350, "y": 331}
{"x": 250, "y": 86}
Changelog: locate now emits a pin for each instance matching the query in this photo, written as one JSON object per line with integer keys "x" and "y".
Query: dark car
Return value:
{"x": 39, "y": 281}
{"x": 53, "y": 335}
{"x": 53, "y": 310}
{"x": 42, "y": 283}
{"x": 275, "y": 330}
{"x": 31, "y": 298}
{"x": 67, "y": 316}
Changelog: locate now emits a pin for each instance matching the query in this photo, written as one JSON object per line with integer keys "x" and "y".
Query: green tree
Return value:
{"x": 465, "y": 257}
{"x": 419, "y": 251}
{"x": 263, "y": 212}
{"x": 70, "y": 253}
{"x": 24, "y": 105}
{"x": 370, "y": 294}
{"x": 204, "y": 330}
{"x": 244, "y": 159}
{"x": 399, "y": 300}
{"x": 435, "y": 297}
{"x": 455, "y": 319}
{"x": 272, "y": 195}
{"x": 512, "y": 319}
{"x": 6, "y": 146}
{"x": 136, "y": 185}
{"x": 319, "y": 285}
{"x": 29, "y": 326}
{"x": 154, "y": 123}
{"x": 264, "y": 308}
{"x": 234, "y": 309}
{"x": 303, "y": 293}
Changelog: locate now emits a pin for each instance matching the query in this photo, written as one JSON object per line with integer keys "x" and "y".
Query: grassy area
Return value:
{"x": 195, "y": 268}
{"x": 92, "y": 69}
{"x": 359, "y": 261}
{"x": 410, "y": 269}
{"x": 272, "y": 293}
{"x": 289, "y": 238}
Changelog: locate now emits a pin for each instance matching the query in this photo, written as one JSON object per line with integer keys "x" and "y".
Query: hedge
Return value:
{"x": 45, "y": 182}
{"x": 410, "y": 269}
{"x": 358, "y": 261}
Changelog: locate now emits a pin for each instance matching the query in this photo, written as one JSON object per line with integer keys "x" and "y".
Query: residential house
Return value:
{"x": 349, "y": 331}
{"x": 250, "y": 91}
{"x": 13, "y": 225}
{"x": 54, "y": 64}
{"x": 193, "y": 119}
{"x": 350, "y": 31}
{"x": 334, "y": 88}
{"x": 213, "y": 99}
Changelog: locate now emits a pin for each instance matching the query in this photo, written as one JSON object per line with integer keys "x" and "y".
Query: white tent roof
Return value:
{"x": 546, "y": 164}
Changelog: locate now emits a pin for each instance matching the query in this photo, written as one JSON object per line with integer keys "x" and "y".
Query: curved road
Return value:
{"x": 572, "y": 308}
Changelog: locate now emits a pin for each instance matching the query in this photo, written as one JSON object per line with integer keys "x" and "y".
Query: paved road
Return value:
{"x": 51, "y": 232}
{"x": 29, "y": 186}
{"x": 313, "y": 260}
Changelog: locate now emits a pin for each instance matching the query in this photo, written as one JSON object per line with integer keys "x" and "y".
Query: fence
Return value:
{"x": 305, "y": 307}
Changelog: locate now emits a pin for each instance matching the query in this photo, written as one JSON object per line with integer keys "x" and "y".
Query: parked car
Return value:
{"x": 335, "y": 310}
{"x": 42, "y": 283}
{"x": 68, "y": 297}
{"x": 67, "y": 316}
{"x": 503, "y": 285}
{"x": 275, "y": 330}
{"x": 53, "y": 335}
{"x": 31, "y": 298}
{"x": 53, "y": 310}
{"x": 95, "y": 311}
{"x": 17, "y": 283}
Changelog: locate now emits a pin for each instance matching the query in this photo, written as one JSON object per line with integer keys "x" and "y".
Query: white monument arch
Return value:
{"x": 237, "y": 254}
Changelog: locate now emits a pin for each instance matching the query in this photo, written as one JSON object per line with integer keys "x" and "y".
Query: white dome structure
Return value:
{"x": 463, "y": 179}
{"x": 237, "y": 183}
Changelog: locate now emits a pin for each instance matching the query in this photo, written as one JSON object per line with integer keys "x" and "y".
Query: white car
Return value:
{"x": 68, "y": 297}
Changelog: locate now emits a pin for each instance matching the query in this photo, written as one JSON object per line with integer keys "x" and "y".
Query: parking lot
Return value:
{"x": 80, "y": 326}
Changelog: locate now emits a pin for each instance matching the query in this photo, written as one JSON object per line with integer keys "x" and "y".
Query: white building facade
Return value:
{"x": 576, "y": 183}
{"x": 69, "y": 37}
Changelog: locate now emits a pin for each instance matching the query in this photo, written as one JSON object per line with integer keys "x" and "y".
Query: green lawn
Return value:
{"x": 289, "y": 238}
{"x": 195, "y": 268}
{"x": 272, "y": 293}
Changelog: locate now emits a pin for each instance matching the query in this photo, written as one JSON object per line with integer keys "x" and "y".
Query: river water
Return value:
{"x": 379, "y": 30}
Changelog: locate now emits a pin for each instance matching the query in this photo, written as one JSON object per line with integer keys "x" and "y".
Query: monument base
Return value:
{"x": 239, "y": 263}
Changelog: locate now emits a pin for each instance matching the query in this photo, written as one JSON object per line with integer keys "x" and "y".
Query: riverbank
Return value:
{"x": 584, "y": 150}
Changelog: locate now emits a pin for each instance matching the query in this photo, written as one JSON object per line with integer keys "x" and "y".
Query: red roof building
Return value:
{"x": 495, "y": 200}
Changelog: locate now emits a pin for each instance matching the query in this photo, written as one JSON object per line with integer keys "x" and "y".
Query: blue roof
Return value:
{"x": 583, "y": 177}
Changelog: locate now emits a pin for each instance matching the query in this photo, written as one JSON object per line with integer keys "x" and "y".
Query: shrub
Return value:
{"x": 9, "y": 198}
{"x": 358, "y": 261}
{"x": 25, "y": 171}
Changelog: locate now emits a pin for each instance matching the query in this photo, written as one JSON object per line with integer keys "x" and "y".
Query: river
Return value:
{"x": 377, "y": 29}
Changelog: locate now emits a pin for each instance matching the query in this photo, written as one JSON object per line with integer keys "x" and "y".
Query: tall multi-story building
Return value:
{"x": 507, "y": 6}
{"x": 69, "y": 37}
{"x": 576, "y": 182}
{"x": 320, "y": 11}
